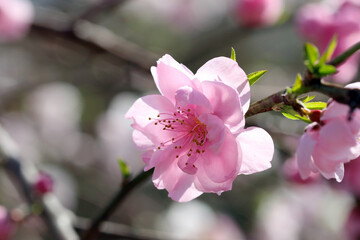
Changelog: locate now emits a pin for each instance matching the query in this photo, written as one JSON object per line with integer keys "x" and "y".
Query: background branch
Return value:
{"x": 310, "y": 83}
{"x": 54, "y": 215}
{"x": 94, "y": 37}
{"x": 94, "y": 229}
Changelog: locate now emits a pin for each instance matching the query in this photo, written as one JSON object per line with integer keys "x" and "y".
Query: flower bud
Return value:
{"x": 44, "y": 184}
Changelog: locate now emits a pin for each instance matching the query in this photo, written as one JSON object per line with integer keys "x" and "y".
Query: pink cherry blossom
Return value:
{"x": 15, "y": 19}
{"x": 193, "y": 134}
{"x": 6, "y": 226}
{"x": 328, "y": 144}
{"x": 256, "y": 13}
{"x": 318, "y": 23}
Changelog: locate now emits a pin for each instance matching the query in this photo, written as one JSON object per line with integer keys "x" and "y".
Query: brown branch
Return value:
{"x": 101, "y": 7}
{"x": 94, "y": 37}
{"x": 119, "y": 197}
{"x": 311, "y": 83}
{"x": 110, "y": 230}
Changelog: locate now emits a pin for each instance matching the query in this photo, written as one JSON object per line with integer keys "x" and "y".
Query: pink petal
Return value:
{"x": 186, "y": 164}
{"x": 169, "y": 76}
{"x": 146, "y": 157}
{"x": 224, "y": 164}
{"x": 336, "y": 140}
{"x": 226, "y": 104}
{"x": 336, "y": 172}
{"x": 167, "y": 175}
{"x": 189, "y": 97}
{"x": 149, "y": 107}
{"x": 141, "y": 141}
{"x": 205, "y": 184}
{"x": 335, "y": 110}
{"x": 229, "y": 73}
{"x": 355, "y": 85}
{"x": 304, "y": 153}
{"x": 257, "y": 149}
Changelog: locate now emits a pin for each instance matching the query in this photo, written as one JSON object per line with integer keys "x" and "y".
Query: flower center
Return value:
{"x": 188, "y": 134}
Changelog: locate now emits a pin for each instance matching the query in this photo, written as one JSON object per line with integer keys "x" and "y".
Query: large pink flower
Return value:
{"x": 318, "y": 23}
{"x": 15, "y": 18}
{"x": 193, "y": 134}
{"x": 328, "y": 144}
{"x": 257, "y": 13}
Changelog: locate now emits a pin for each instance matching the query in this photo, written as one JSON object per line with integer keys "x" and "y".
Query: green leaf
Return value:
{"x": 329, "y": 51}
{"x": 307, "y": 99}
{"x": 315, "y": 105}
{"x": 253, "y": 77}
{"x": 124, "y": 168}
{"x": 291, "y": 114}
{"x": 297, "y": 84}
{"x": 233, "y": 54}
{"x": 325, "y": 70}
{"x": 311, "y": 54}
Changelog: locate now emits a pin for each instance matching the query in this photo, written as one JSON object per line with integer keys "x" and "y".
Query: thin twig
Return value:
{"x": 94, "y": 229}
{"x": 94, "y": 37}
{"x": 110, "y": 230}
{"x": 311, "y": 83}
{"x": 101, "y": 7}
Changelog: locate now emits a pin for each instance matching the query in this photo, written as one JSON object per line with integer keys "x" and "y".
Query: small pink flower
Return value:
{"x": 193, "y": 134}
{"x": 6, "y": 226}
{"x": 15, "y": 19}
{"x": 318, "y": 23}
{"x": 256, "y": 13}
{"x": 328, "y": 144}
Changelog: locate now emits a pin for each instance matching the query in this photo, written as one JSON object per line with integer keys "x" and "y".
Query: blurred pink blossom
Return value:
{"x": 256, "y": 13}
{"x": 6, "y": 226}
{"x": 351, "y": 181}
{"x": 328, "y": 144}
{"x": 15, "y": 19}
{"x": 193, "y": 134}
{"x": 318, "y": 23}
{"x": 352, "y": 230}
{"x": 291, "y": 173}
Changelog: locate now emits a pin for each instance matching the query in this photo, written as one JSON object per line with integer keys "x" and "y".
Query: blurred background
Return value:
{"x": 64, "y": 92}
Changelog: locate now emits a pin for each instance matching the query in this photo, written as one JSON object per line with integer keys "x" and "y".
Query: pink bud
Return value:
{"x": 44, "y": 184}
{"x": 256, "y": 13}
{"x": 6, "y": 226}
{"x": 15, "y": 19}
